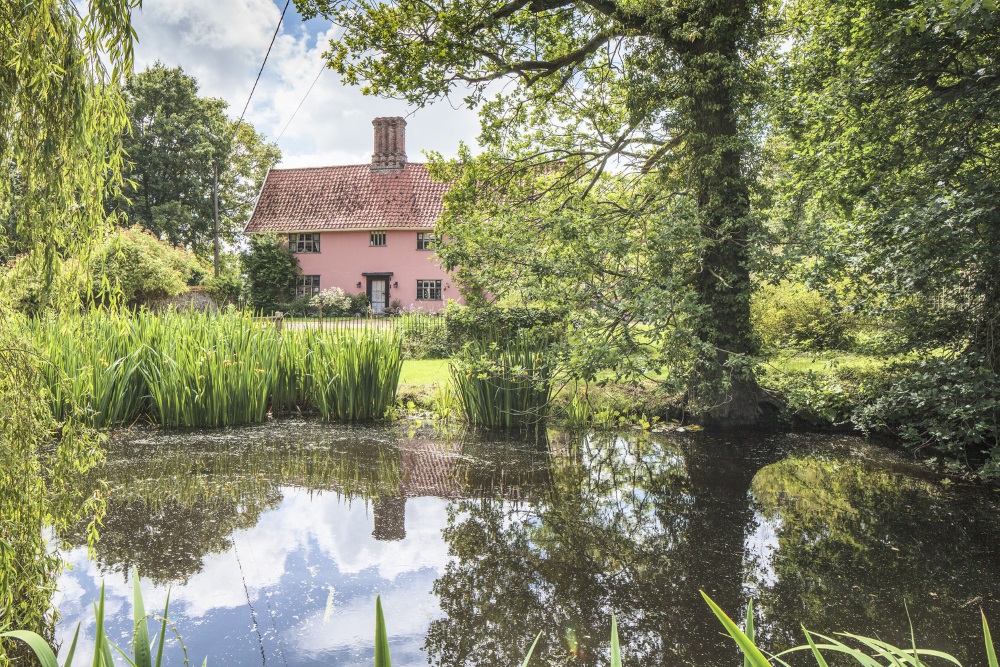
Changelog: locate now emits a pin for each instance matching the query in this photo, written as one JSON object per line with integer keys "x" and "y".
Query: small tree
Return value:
{"x": 271, "y": 271}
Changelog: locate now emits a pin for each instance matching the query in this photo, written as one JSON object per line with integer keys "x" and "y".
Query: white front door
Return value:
{"x": 379, "y": 289}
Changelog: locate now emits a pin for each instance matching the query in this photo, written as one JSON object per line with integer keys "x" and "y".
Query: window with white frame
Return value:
{"x": 303, "y": 242}
{"x": 426, "y": 241}
{"x": 377, "y": 239}
{"x": 306, "y": 286}
{"x": 428, "y": 290}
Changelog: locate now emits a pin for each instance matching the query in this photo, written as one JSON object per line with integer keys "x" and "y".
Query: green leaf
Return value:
{"x": 163, "y": 632}
{"x": 820, "y": 660}
{"x": 616, "y": 653}
{"x": 750, "y": 650}
{"x": 991, "y": 653}
{"x": 381, "y": 638}
{"x": 72, "y": 647}
{"x": 749, "y": 630}
{"x": 99, "y": 637}
{"x": 38, "y": 646}
{"x": 531, "y": 650}
{"x": 140, "y": 636}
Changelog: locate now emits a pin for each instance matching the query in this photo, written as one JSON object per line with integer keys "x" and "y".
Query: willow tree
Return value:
{"x": 656, "y": 96}
{"x": 61, "y": 119}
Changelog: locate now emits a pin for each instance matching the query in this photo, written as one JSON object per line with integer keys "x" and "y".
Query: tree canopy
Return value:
{"x": 176, "y": 136}
{"x": 892, "y": 126}
{"x": 659, "y": 94}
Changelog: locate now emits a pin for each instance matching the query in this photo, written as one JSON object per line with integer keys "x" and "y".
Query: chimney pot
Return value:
{"x": 390, "y": 144}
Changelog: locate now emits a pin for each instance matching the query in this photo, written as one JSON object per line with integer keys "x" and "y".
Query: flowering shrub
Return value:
{"x": 333, "y": 301}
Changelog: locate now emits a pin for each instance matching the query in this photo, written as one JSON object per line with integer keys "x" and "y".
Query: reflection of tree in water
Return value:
{"x": 174, "y": 500}
{"x": 854, "y": 543}
{"x": 630, "y": 527}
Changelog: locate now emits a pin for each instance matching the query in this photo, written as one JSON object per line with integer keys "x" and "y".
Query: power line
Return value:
{"x": 261, "y": 70}
{"x": 301, "y": 102}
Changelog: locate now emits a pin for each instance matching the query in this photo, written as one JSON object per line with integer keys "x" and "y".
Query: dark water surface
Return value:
{"x": 275, "y": 540}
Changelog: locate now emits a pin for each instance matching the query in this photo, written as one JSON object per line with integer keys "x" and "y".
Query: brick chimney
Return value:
{"x": 390, "y": 144}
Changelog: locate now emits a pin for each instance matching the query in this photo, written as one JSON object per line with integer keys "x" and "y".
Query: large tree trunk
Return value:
{"x": 722, "y": 388}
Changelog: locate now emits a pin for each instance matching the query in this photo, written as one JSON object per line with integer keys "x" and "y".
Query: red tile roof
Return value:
{"x": 348, "y": 197}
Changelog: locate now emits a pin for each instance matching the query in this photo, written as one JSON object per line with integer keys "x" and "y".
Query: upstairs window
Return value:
{"x": 303, "y": 242}
{"x": 428, "y": 290}
{"x": 377, "y": 239}
{"x": 307, "y": 286}
{"x": 427, "y": 241}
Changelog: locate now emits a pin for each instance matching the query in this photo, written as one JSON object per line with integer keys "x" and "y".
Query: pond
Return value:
{"x": 274, "y": 541}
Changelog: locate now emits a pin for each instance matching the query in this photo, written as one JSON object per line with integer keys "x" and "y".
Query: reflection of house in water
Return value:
{"x": 448, "y": 470}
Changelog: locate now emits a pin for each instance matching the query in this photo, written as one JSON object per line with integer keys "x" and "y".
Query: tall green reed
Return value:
{"x": 211, "y": 369}
{"x": 355, "y": 378}
{"x": 504, "y": 385}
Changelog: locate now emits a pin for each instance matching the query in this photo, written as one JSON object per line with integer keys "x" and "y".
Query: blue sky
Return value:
{"x": 222, "y": 43}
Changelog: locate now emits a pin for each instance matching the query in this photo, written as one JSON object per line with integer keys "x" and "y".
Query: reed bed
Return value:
{"x": 210, "y": 370}
{"x": 504, "y": 385}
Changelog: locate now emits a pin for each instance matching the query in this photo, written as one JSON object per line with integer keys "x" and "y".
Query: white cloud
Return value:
{"x": 222, "y": 43}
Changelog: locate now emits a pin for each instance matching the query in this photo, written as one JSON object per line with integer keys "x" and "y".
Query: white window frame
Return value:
{"x": 377, "y": 236}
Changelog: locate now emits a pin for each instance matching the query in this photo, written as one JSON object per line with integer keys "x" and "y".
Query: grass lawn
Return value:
{"x": 423, "y": 373}
{"x": 825, "y": 362}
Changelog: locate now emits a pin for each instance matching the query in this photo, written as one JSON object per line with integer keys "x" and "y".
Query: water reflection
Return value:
{"x": 276, "y": 540}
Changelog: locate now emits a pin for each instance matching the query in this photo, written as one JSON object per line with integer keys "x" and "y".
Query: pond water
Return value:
{"x": 274, "y": 541}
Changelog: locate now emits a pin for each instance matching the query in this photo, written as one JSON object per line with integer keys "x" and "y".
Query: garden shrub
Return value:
{"x": 424, "y": 337}
{"x": 225, "y": 289}
{"x": 138, "y": 268}
{"x": 332, "y": 302}
{"x": 502, "y": 323}
{"x": 271, "y": 271}
{"x": 790, "y": 315}
{"x": 947, "y": 406}
{"x": 828, "y": 398}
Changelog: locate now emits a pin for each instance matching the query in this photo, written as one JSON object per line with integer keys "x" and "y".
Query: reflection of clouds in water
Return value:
{"x": 409, "y": 608}
{"x": 760, "y": 548}
{"x": 287, "y": 563}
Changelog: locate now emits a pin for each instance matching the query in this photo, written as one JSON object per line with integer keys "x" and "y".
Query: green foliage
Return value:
{"x": 61, "y": 118}
{"x": 205, "y": 369}
{"x": 895, "y": 182}
{"x": 176, "y": 136}
{"x": 332, "y": 302}
{"x": 226, "y": 289}
{"x": 868, "y": 652}
{"x": 946, "y": 407}
{"x": 790, "y": 315}
{"x": 503, "y": 323}
{"x": 828, "y": 397}
{"x": 354, "y": 378}
{"x": 504, "y": 385}
{"x": 141, "y": 648}
{"x": 271, "y": 270}
{"x": 41, "y": 460}
{"x": 425, "y": 337}
{"x": 134, "y": 266}
{"x": 659, "y": 249}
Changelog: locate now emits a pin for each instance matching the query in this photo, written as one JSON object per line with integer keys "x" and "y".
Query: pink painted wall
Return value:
{"x": 345, "y": 256}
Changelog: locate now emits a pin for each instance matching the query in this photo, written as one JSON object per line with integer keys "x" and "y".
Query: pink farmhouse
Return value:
{"x": 362, "y": 228}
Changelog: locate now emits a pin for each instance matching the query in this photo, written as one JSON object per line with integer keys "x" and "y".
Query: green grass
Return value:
{"x": 424, "y": 374}
{"x": 824, "y": 362}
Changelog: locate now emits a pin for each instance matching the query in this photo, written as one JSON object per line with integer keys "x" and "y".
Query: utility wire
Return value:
{"x": 261, "y": 70}
{"x": 301, "y": 102}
